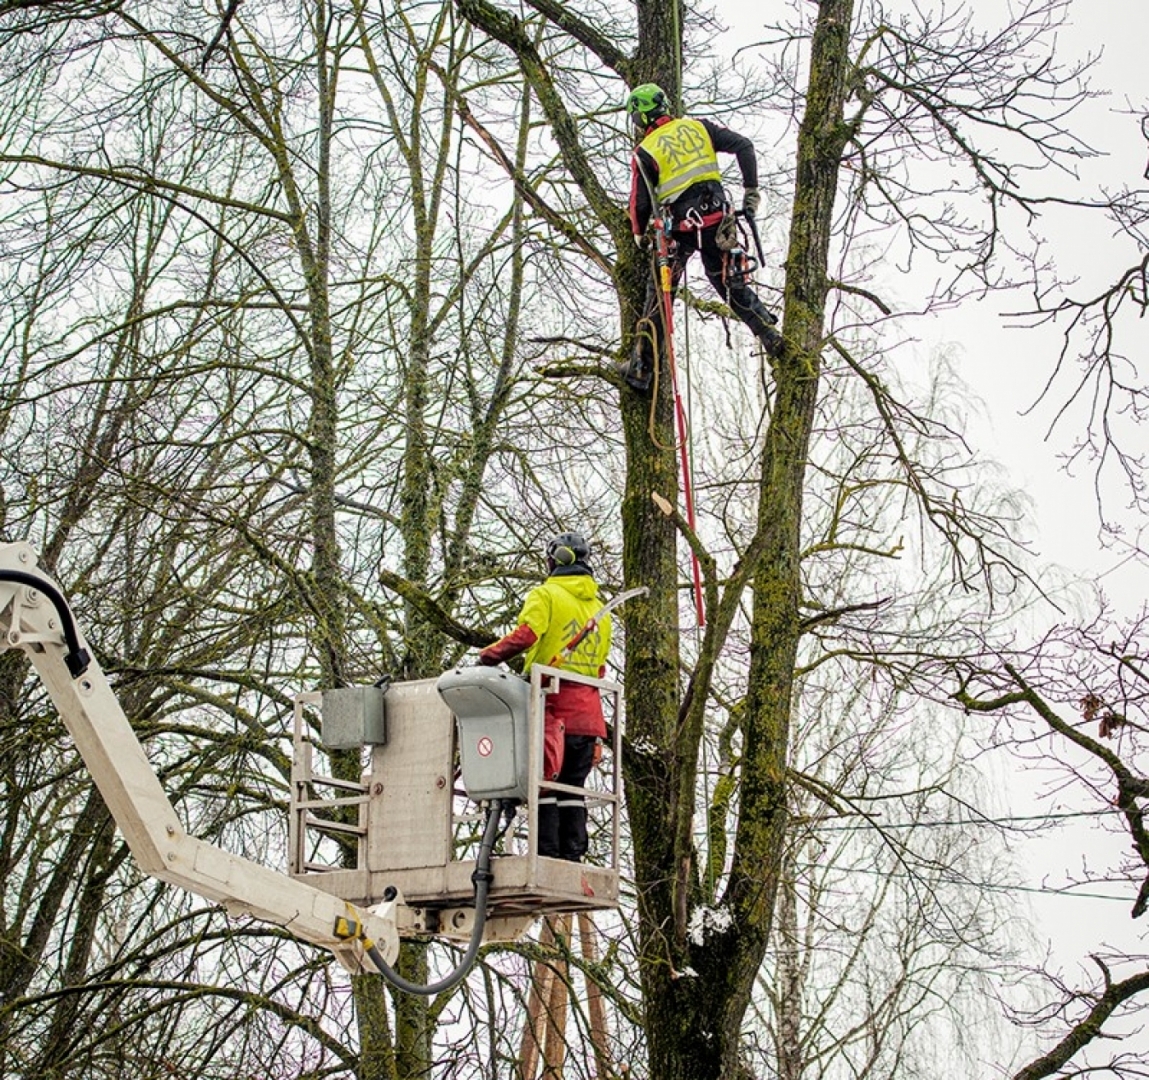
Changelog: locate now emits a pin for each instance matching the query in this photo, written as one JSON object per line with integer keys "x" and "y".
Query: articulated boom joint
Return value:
{"x": 33, "y": 612}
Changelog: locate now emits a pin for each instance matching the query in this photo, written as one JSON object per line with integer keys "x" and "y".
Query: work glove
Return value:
{"x": 751, "y": 200}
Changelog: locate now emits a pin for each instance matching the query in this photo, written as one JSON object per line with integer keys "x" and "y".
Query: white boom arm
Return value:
{"x": 35, "y": 617}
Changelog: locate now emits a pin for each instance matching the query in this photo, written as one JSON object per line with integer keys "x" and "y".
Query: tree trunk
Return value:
{"x": 694, "y": 1024}
{"x": 696, "y": 994}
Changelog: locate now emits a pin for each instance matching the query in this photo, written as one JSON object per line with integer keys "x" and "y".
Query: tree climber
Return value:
{"x": 675, "y": 166}
{"x": 553, "y": 615}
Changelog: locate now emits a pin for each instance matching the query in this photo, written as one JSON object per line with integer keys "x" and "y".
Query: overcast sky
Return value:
{"x": 1008, "y": 367}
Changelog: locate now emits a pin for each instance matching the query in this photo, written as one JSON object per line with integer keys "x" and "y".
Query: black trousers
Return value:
{"x": 742, "y": 299}
{"x": 562, "y": 816}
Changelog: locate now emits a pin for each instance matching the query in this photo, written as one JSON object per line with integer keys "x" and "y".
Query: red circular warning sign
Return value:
{"x": 485, "y": 747}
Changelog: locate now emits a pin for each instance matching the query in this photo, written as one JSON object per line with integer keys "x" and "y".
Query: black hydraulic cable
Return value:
{"x": 77, "y": 658}
{"x": 482, "y": 877}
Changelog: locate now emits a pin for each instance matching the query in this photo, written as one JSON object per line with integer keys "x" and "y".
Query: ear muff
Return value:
{"x": 568, "y": 548}
{"x": 563, "y": 555}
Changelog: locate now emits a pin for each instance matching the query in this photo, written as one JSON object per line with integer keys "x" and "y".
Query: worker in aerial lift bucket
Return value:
{"x": 554, "y": 614}
{"x": 675, "y": 169}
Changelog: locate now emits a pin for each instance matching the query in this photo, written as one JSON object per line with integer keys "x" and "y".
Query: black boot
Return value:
{"x": 771, "y": 340}
{"x": 638, "y": 371}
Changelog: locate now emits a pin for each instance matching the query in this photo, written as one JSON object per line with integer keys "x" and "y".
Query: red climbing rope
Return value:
{"x": 663, "y": 242}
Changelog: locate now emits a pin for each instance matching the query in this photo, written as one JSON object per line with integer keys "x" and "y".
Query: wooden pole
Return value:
{"x": 544, "y": 1030}
{"x": 530, "y": 1045}
{"x": 596, "y": 1007}
{"x": 555, "y": 1046}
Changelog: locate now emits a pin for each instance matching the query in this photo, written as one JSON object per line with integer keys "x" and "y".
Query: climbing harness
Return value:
{"x": 694, "y": 220}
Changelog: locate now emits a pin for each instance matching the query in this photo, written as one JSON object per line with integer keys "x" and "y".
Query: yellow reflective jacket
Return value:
{"x": 556, "y": 611}
{"x": 684, "y": 154}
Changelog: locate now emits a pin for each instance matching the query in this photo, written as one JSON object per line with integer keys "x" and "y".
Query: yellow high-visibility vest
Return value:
{"x": 684, "y": 154}
{"x": 556, "y": 611}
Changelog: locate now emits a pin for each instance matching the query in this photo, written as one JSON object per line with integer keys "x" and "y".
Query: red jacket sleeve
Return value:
{"x": 643, "y": 174}
{"x": 518, "y": 640}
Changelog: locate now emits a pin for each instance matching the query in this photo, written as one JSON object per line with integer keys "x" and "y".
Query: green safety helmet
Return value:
{"x": 646, "y": 103}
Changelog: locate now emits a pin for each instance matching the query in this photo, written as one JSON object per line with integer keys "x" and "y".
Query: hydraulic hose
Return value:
{"x": 77, "y": 658}
{"x": 482, "y": 877}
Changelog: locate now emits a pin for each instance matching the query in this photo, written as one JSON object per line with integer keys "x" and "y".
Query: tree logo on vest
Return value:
{"x": 682, "y": 146}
